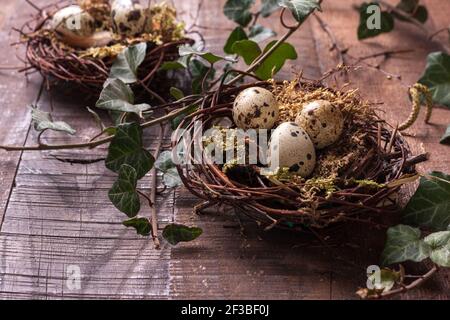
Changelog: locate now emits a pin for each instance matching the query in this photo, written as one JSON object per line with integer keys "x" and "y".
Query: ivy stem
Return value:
{"x": 153, "y": 186}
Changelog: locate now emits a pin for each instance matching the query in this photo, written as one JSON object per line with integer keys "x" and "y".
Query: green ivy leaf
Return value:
{"x": 181, "y": 63}
{"x": 171, "y": 178}
{"x": 165, "y": 164}
{"x": 268, "y": 7}
{"x": 188, "y": 50}
{"x": 117, "y": 96}
{"x": 177, "y": 120}
{"x": 386, "y": 279}
{"x": 276, "y": 60}
{"x": 239, "y": 11}
{"x": 440, "y": 247}
{"x": 437, "y": 77}
{"x": 412, "y": 7}
{"x": 126, "y": 148}
{"x": 123, "y": 193}
{"x": 430, "y": 205}
{"x": 259, "y": 33}
{"x": 164, "y": 161}
{"x": 199, "y": 71}
{"x": 249, "y": 50}
{"x": 175, "y": 233}
{"x": 42, "y": 120}
{"x": 301, "y": 9}
{"x": 176, "y": 93}
{"x": 142, "y": 225}
{"x": 237, "y": 34}
{"x": 403, "y": 243}
{"x": 446, "y": 137}
{"x": 127, "y": 63}
{"x": 387, "y": 22}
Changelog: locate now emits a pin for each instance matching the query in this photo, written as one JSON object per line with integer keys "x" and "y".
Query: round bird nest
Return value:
{"x": 89, "y": 68}
{"x": 356, "y": 179}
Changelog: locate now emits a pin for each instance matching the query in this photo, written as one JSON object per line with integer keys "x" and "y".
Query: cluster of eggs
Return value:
{"x": 76, "y": 26}
{"x": 292, "y": 144}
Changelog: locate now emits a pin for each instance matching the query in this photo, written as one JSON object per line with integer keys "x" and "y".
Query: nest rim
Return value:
{"x": 358, "y": 203}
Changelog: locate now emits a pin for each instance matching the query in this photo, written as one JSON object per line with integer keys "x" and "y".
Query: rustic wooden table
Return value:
{"x": 55, "y": 215}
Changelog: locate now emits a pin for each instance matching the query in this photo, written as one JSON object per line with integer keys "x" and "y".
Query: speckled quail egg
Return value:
{"x": 255, "y": 108}
{"x": 291, "y": 147}
{"x": 72, "y": 20}
{"x": 128, "y": 17}
{"x": 323, "y": 122}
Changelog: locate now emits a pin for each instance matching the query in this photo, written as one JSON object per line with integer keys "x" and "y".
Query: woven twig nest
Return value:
{"x": 88, "y": 68}
{"x": 355, "y": 179}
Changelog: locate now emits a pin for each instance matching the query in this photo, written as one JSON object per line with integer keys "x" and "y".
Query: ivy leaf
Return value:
{"x": 437, "y": 77}
{"x": 430, "y": 205}
{"x": 127, "y": 63}
{"x": 239, "y": 11}
{"x": 385, "y": 280}
{"x": 403, "y": 243}
{"x": 175, "y": 233}
{"x": 117, "y": 96}
{"x": 365, "y": 18}
{"x": 181, "y": 63}
{"x": 164, "y": 161}
{"x": 188, "y": 50}
{"x": 237, "y": 34}
{"x": 301, "y": 9}
{"x": 276, "y": 60}
{"x": 268, "y": 7}
{"x": 259, "y": 33}
{"x": 126, "y": 148}
{"x": 177, "y": 120}
{"x": 142, "y": 225}
{"x": 165, "y": 164}
{"x": 123, "y": 193}
{"x": 171, "y": 178}
{"x": 199, "y": 71}
{"x": 42, "y": 120}
{"x": 412, "y": 7}
{"x": 176, "y": 93}
{"x": 247, "y": 49}
{"x": 446, "y": 137}
{"x": 440, "y": 247}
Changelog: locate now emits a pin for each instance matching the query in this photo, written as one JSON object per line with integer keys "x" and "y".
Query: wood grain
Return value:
{"x": 57, "y": 214}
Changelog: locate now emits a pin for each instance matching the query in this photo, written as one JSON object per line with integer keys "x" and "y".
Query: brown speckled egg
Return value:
{"x": 323, "y": 122}
{"x": 72, "y": 20}
{"x": 255, "y": 108}
{"x": 128, "y": 17}
{"x": 294, "y": 149}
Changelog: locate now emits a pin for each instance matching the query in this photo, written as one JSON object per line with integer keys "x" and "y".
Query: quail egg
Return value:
{"x": 323, "y": 122}
{"x": 255, "y": 108}
{"x": 72, "y": 20}
{"x": 291, "y": 147}
{"x": 128, "y": 17}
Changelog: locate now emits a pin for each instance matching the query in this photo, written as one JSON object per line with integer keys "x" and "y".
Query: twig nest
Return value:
{"x": 291, "y": 147}
{"x": 128, "y": 17}
{"x": 255, "y": 108}
{"x": 73, "y": 21}
{"x": 322, "y": 121}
